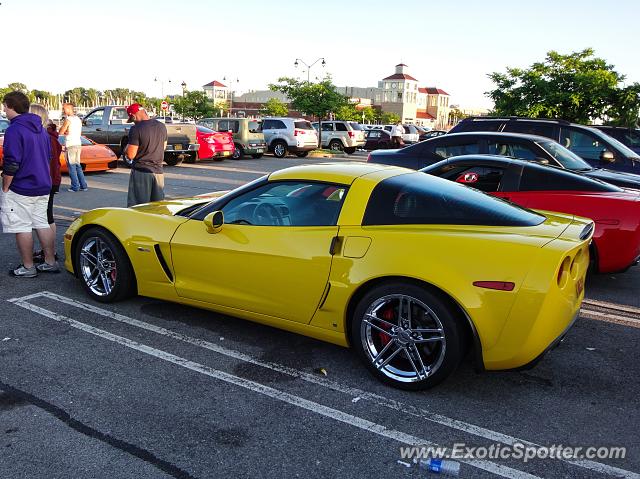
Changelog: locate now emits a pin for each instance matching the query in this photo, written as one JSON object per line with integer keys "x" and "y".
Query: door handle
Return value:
{"x": 336, "y": 244}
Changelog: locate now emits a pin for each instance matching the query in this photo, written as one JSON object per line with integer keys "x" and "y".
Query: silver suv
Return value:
{"x": 340, "y": 135}
{"x": 284, "y": 135}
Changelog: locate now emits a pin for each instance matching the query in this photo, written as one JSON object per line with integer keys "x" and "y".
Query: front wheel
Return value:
{"x": 336, "y": 145}
{"x": 407, "y": 336}
{"x": 280, "y": 149}
{"x": 103, "y": 266}
{"x": 302, "y": 154}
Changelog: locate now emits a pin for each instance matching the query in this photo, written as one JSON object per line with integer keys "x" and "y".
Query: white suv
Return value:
{"x": 340, "y": 135}
{"x": 284, "y": 135}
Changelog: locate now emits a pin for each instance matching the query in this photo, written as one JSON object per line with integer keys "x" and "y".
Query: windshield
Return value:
{"x": 624, "y": 149}
{"x": 566, "y": 158}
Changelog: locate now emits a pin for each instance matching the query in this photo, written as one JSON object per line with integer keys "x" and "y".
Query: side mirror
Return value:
{"x": 214, "y": 221}
{"x": 607, "y": 157}
{"x": 542, "y": 161}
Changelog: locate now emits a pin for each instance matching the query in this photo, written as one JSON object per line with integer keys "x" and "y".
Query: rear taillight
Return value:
{"x": 297, "y": 132}
{"x": 369, "y": 157}
{"x": 563, "y": 272}
{"x": 352, "y": 134}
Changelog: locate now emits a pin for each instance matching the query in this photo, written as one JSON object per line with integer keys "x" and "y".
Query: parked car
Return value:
{"x": 93, "y": 157}
{"x": 340, "y": 135}
{"x": 355, "y": 255}
{"x": 214, "y": 144}
{"x": 432, "y": 134}
{"x": 107, "y": 125}
{"x": 411, "y": 134}
{"x": 630, "y": 137}
{"x": 4, "y": 124}
{"x": 592, "y": 145}
{"x": 289, "y": 135}
{"x": 515, "y": 145}
{"x": 248, "y": 138}
{"x": 615, "y": 211}
{"x": 377, "y": 139}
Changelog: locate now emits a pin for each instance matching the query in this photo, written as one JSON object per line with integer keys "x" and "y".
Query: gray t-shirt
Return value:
{"x": 149, "y": 136}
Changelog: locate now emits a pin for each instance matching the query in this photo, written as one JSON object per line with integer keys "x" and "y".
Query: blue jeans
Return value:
{"x": 75, "y": 168}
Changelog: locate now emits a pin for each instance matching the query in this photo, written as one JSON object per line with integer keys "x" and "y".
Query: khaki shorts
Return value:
{"x": 22, "y": 214}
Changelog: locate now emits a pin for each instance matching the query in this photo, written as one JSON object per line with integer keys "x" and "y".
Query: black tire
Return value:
{"x": 173, "y": 160}
{"x": 122, "y": 275}
{"x": 280, "y": 149}
{"x": 257, "y": 156}
{"x": 238, "y": 154}
{"x": 302, "y": 154}
{"x": 336, "y": 145}
{"x": 191, "y": 158}
{"x": 350, "y": 150}
{"x": 443, "y": 353}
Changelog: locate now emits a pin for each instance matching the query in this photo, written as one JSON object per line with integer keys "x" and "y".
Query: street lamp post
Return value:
{"x": 231, "y": 92}
{"x": 184, "y": 87}
{"x": 162, "y": 82}
{"x": 298, "y": 61}
{"x": 324, "y": 63}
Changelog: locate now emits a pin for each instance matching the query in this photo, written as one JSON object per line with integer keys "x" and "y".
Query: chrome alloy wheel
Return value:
{"x": 279, "y": 150}
{"x": 403, "y": 338}
{"x": 98, "y": 266}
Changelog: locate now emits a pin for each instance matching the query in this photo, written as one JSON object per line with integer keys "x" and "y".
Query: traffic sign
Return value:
{"x": 164, "y": 105}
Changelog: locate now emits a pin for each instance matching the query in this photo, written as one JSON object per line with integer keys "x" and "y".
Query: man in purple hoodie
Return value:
{"x": 26, "y": 183}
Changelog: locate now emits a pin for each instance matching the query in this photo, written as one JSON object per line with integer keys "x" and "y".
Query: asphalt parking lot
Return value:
{"x": 149, "y": 389}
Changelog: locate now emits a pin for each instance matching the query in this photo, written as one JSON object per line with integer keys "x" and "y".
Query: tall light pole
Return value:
{"x": 298, "y": 61}
{"x": 324, "y": 63}
{"x": 231, "y": 91}
{"x": 162, "y": 82}
{"x": 184, "y": 87}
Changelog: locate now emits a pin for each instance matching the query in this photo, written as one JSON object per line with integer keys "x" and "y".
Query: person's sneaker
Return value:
{"x": 22, "y": 272}
{"x": 71, "y": 189}
{"x": 38, "y": 256}
{"x": 48, "y": 268}
{"x": 84, "y": 189}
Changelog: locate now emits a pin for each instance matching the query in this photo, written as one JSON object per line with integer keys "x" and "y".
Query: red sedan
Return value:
{"x": 615, "y": 211}
{"x": 214, "y": 144}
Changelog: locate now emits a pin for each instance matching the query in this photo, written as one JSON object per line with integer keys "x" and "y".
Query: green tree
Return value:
{"x": 194, "y": 104}
{"x": 274, "y": 107}
{"x": 387, "y": 118}
{"x": 16, "y": 86}
{"x": 577, "y": 87}
{"x": 625, "y": 107}
{"x": 317, "y": 99}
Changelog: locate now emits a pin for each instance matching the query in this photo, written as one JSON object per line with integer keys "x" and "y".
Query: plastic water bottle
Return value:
{"x": 441, "y": 466}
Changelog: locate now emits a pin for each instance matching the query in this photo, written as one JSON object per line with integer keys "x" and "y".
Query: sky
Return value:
{"x": 58, "y": 45}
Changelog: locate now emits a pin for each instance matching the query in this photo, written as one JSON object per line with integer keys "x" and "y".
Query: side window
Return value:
{"x": 483, "y": 178}
{"x": 223, "y": 125}
{"x": 544, "y": 179}
{"x": 341, "y": 127}
{"x": 287, "y": 203}
{"x": 279, "y": 125}
{"x": 446, "y": 151}
{"x": 514, "y": 150}
{"x": 582, "y": 143}
{"x": 95, "y": 117}
{"x": 119, "y": 114}
{"x": 234, "y": 126}
{"x": 267, "y": 125}
{"x": 530, "y": 128}
{"x": 327, "y": 126}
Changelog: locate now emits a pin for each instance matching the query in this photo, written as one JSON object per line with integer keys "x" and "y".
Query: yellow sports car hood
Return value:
{"x": 173, "y": 206}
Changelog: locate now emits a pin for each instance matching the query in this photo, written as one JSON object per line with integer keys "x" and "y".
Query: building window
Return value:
{"x": 400, "y": 97}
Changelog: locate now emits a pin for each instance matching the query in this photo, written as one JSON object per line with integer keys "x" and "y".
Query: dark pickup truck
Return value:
{"x": 108, "y": 125}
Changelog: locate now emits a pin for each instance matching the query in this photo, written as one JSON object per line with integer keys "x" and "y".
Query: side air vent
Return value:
{"x": 586, "y": 231}
{"x": 162, "y": 262}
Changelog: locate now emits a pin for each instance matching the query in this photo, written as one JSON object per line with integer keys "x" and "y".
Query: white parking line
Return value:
{"x": 610, "y": 318}
{"x": 604, "y": 304}
{"x": 314, "y": 407}
{"x": 332, "y": 385}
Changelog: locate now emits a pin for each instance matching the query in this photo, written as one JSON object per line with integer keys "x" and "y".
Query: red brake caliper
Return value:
{"x": 387, "y": 315}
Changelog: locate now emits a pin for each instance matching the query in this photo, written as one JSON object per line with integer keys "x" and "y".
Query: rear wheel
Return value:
{"x": 191, "y": 158}
{"x": 257, "y": 156}
{"x": 302, "y": 154}
{"x": 336, "y": 145}
{"x": 407, "y": 336}
{"x": 103, "y": 266}
{"x": 238, "y": 153}
{"x": 173, "y": 160}
{"x": 280, "y": 149}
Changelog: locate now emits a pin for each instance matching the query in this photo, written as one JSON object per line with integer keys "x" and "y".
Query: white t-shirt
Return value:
{"x": 72, "y": 138}
{"x": 398, "y": 130}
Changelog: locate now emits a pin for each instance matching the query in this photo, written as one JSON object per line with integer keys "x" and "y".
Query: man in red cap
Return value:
{"x": 147, "y": 142}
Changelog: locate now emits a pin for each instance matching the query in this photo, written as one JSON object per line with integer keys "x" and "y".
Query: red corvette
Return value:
{"x": 214, "y": 144}
{"x": 615, "y": 211}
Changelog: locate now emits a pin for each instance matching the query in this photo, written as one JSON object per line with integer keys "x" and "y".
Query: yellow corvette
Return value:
{"x": 411, "y": 270}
